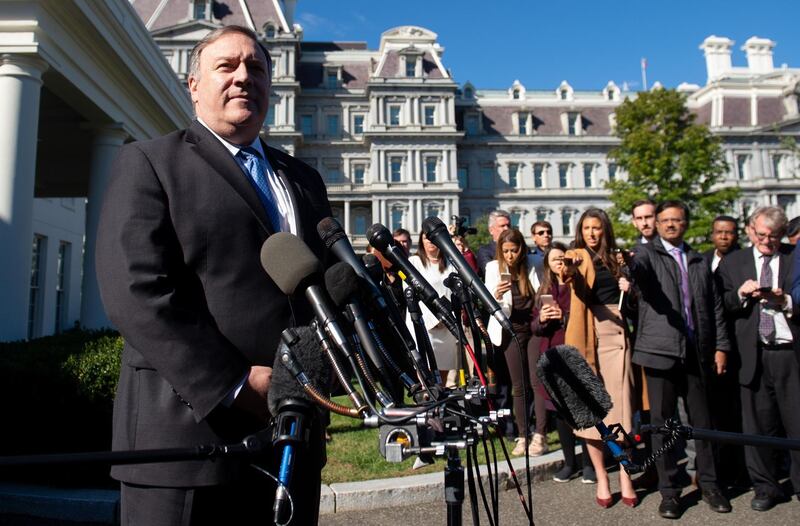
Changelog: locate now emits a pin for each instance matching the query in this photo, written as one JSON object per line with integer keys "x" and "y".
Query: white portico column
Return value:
{"x": 20, "y": 86}
{"x": 347, "y": 217}
{"x": 107, "y": 140}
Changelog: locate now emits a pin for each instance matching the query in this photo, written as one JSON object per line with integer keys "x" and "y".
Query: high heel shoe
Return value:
{"x": 604, "y": 503}
{"x": 630, "y": 502}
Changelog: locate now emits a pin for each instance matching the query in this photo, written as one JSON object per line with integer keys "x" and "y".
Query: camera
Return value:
{"x": 462, "y": 230}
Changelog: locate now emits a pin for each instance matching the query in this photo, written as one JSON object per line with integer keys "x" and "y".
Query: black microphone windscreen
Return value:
{"x": 577, "y": 393}
{"x": 330, "y": 231}
{"x": 342, "y": 284}
{"x": 432, "y": 224}
{"x": 379, "y": 237}
{"x": 310, "y": 359}
{"x": 288, "y": 261}
{"x": 373, "y": 266}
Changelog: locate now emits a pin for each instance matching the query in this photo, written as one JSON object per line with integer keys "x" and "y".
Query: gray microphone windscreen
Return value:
{"x": 288, "y": 261}
{"x": 309, "y": 358}
{"x": 578, "y": 394}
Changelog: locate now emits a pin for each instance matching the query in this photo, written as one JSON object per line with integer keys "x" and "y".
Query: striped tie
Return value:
{"x": 256, "y": 168}
{"x": 766, "y": 323}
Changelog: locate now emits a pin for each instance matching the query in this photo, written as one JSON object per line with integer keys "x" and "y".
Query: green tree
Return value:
{"x": 483, "y": 237}
{"x": 667, "y": 156}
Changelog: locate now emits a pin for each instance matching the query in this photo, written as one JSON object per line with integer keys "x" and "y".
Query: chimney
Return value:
{"x": 759, "y": 54}
{"x": 288, "y": 12}
{"x": 718, "y": 56}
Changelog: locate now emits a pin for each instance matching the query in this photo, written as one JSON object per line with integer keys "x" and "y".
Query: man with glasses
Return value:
{"x": 542, "y": 234}
{"x": 755, "y": 283}
{"x": 681, "y": 339}
{"x": 499, "y": 220}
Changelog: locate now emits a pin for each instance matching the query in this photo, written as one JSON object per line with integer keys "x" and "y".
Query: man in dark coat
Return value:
{"x": 755, "y": 284}
{"x": 681, "y": 338}
{"x": 499, "y": 220}
{"x": 179, "y": 270}
{"x": 725, "y": 237}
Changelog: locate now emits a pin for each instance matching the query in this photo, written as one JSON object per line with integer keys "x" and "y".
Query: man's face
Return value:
{"x": 671, "y": 225}
{"x": 763, "y": 237}
{"x": 230, "y": 91}
{"x": 542, "y": 236}
{"x": 644, "y": 219}
{"x": 500, "y": 224}
{"x": 724, "y": 236}
{"x": 405, "y": 242}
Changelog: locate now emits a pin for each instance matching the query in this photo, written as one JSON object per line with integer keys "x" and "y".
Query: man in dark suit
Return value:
{"x": 725, "y": 237}
{"x": 499, "y": 220}
{"x": 178, "y": 264}
{"x": 680, "y": 340}
{"x": 755, "y": 283}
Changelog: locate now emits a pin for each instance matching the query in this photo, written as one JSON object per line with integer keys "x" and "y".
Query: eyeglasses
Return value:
{"x": 544, "y": 233}
{"x": 762, "y": 236}
{"x": 671, "y": 221}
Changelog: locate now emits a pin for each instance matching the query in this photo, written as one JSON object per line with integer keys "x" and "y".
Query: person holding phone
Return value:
{"x": 511, "y": 278}
{"x": 597, "y": 329}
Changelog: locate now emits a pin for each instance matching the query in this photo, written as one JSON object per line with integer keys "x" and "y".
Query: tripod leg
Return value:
{"x": 454, "y": 488}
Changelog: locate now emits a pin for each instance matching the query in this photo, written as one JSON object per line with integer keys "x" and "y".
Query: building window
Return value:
{"x": 432, "y": 210}
{"x": 411, "y": 67}
{"x": 741, "y": 166}
{"x": 487, "y": 177}
{"x": 333, "y": 125}
{"x": 270, "y": 120}
{"x": 332, "y": 79}
{"x": 397, "y": 218}
{"x": 564, "y": 94}
{"x": 522, "y": 120}
{"x": 37, "y": 282}
{"x": 513, "y": 170}
{"x": 62, "y": 281}
{"x": 566, "y": 223}
{"x": 788, "y": 202}
{"x": 572, "y": 123}
{"x": 359, "y": 222}
{"x": 430, "y": 115}
{"x": 563, "y": 175}
{"x": 358, "y": 124}
{"x": 471, "y": 124}
{"x": 200, "y": 9}
{"x": 430, "y": 169}
{"x": 468, "y": 93}
{"x": 777, "y": 170}
{"x": 538, "y": 175}
{"x": 358, "y": 173}
{"x": 588, "y": 175}
{"x": 515, "y": 219}
{"x": 333, "y": 173}
{"x": 463, "y": 176}
{"x": 307, "y": 125}
{"x": 612, "y": 172}
{"x": 396, "y": 169}
{"x": 515, "y": 94}
{"x": 269, "y": 31}
{"x": 541, "y": 214}
{"x": 394, "y": 115}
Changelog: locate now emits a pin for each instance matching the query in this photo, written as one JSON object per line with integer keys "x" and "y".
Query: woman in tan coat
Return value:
{"x": 597, "y": 329}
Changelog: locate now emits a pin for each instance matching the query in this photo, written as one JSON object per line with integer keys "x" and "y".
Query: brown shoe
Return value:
{"x": 538, "y": 446}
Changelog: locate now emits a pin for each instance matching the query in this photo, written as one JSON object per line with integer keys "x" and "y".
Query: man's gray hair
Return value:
{"x": 494, "y": 214}
{"x": 774, "y": 216}
{"x": 197, "y": 50}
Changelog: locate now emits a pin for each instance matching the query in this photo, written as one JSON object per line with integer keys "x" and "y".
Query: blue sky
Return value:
{"x": 541, "y": 43}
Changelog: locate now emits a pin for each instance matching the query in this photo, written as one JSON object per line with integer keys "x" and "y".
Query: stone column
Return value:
{"x": 107, "y": 140}
{"x": 347, "y": 217}
{"x": 20, "y": 85}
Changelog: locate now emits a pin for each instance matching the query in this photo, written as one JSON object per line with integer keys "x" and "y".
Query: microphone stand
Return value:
{"x": 423, "y": 341}
{"x": 673, "y": 427}
{"x": 461, "y": 297}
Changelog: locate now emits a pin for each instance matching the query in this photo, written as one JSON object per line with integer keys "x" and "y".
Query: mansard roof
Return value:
{"x": 499, "y": 120}
{"x": 255, "y": 14}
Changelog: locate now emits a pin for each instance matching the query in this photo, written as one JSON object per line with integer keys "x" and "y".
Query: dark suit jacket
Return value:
{"x": 179, "y": 270}
{"x": 734, "y": 270}
{"x": 708, "y": 255}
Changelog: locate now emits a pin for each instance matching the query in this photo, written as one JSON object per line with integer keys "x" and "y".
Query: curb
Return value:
{"x": 101, "y": 507}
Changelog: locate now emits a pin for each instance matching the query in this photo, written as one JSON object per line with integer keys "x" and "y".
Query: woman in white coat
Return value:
{"x": 434, "y": 268}
{"x": 512, "y": 279}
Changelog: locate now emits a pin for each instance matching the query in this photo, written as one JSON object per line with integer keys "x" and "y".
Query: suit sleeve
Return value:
{"x": 152, "y": 297}
{"x": 723, "y": 342}
{"x": 729, "y": 288}
{"x": 795, "y": 292}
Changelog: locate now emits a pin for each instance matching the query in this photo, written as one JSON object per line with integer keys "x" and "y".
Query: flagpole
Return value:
{"x": 644, "y": 73}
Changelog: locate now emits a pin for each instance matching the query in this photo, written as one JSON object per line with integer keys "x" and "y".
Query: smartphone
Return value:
{"x": 547, "y": 299}
{"x": 505, "y": 276}
{"x": 569, "y": 262}
{"x": 765, "y": 290}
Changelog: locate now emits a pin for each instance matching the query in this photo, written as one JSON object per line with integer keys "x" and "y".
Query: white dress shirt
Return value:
{"x": 782, "y": 332}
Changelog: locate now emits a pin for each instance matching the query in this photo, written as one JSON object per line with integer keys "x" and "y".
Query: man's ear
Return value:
{"x": 192, "y": 81}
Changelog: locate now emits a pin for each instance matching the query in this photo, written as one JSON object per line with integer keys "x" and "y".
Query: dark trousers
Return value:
{"x": 726, "y": 415}
{"x": 663, "y": 389}
{"x": 770, "y": 406}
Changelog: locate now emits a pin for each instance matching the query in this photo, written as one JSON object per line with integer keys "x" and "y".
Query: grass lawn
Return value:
{"x": 353, "y": 453}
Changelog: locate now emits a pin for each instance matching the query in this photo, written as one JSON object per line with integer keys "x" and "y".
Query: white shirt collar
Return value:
{"x": 235, "y": 148}
{"x": 758, "y": 255}
{"x": 669, "y": 246}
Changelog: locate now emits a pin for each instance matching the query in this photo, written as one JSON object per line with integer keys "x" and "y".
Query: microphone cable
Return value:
{"x": 280, "y": 484}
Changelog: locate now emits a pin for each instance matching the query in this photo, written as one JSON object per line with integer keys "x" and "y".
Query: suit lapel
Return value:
{"x": 784, "y": 266}
{"x": 215, "y": 154}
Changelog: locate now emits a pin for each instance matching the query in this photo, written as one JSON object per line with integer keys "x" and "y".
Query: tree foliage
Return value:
{"x": 666, "y": 155}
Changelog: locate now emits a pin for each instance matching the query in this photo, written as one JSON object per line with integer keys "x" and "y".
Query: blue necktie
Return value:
{"x": 256, "y": 168}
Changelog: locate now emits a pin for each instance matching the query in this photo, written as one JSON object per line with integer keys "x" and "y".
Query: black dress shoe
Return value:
{"x": 717, "y": 501}
{"x": 670, "y": 508}
{"x": 763, "y": 502}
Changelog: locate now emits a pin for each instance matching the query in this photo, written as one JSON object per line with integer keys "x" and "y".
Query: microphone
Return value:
{"x": 292, "y": 407}
{"x": 343, "y": 286}
{"x": 292, "y": 266}
{"x": 381, "y": 239}
{"x": 436, "y": 232}
{"x": 579, "y": 395}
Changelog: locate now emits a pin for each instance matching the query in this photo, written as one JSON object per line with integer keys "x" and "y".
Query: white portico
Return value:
{"x": 78, "y": 78}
